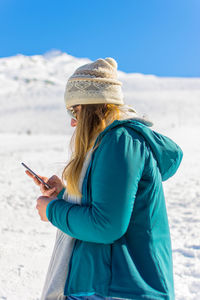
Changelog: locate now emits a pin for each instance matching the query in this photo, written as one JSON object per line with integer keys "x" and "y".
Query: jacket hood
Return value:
{"x": 166, "y": 152}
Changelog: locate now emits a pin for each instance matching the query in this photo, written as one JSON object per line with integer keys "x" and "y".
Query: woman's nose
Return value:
{"x": 73, "y": 122}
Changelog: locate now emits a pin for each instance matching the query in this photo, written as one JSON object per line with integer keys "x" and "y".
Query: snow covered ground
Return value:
{"x": 35, "y": 129}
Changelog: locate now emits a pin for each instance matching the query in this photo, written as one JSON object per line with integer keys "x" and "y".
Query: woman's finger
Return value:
{"x": 43, "y": 188}
{"x": 49, "y": 192}
{"x": 29, "y": 174}
{"x": 33, "y": 177}
{"x": 45, "y": 179}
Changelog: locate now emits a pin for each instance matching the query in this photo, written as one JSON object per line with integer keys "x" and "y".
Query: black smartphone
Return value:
{"x": 40, "y": 179}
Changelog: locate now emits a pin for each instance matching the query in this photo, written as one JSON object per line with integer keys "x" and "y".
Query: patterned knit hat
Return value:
{"x": 94, "y": 83}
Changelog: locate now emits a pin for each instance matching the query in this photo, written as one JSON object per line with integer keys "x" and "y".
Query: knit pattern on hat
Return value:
{"x": 94, "y": 83}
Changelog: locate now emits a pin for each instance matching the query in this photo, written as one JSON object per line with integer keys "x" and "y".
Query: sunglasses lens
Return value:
{"x": 71, "y": 113}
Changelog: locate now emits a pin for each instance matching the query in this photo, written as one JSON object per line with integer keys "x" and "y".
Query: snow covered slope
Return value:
{"x": 32, "y": 89}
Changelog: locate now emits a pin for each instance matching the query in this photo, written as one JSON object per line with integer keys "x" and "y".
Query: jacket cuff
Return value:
{"x": 60, "y": 195}
{"x": 49, "y": 209}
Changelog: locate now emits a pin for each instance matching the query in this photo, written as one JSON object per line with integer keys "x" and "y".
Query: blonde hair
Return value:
{"x": 93, "y": 119}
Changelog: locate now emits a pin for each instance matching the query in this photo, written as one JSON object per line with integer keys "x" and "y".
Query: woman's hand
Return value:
{"x": 41, "y": 206}
{"x": 54, "y": 182}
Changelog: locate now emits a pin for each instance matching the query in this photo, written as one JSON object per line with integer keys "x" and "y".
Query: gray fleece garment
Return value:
{"x": 58, "y": 267}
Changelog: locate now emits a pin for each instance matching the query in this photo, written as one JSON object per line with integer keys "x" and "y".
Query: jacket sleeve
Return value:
{"x": 117, "y": 168}
{"x": 60, "y": 195}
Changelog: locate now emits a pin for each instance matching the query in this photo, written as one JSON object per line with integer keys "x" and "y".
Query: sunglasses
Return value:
{"x": 71, "y": 111}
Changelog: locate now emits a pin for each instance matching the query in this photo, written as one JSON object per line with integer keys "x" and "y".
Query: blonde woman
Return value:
{"x": 113, "y": 238}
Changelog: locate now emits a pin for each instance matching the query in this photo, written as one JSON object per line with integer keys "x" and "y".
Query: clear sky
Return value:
{"x": 160, "y": 37}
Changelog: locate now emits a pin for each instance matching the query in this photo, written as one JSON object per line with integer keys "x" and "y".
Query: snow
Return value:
{"x": 35, "y": 129}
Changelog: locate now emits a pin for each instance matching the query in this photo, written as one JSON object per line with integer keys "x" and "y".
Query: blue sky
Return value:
{"x": 160, "y": 37}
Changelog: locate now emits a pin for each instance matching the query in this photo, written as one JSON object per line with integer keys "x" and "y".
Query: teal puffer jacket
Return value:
{"x": 123, "y": 246}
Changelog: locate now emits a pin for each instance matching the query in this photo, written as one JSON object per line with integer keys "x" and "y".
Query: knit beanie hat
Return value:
{"x": 93, "y": 83}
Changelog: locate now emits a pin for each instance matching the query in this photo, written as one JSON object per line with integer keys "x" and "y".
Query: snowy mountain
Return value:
{"x": 32, "y": 89}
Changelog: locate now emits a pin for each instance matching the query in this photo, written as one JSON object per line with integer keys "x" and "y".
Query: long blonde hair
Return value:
{"x": 93, "y": 119}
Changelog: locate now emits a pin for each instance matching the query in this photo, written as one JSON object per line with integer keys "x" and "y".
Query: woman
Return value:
{"x": 113, "y": 238}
